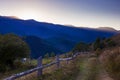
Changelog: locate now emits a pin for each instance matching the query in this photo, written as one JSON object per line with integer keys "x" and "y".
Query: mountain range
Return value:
{"x": 43, "y": 37}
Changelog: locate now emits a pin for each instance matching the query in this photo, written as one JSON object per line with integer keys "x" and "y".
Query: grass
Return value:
{"x": 24, "y": 67}
{"x": 111, "y": 62}
{"x": 66, "y": 72}
{"x": 47, "y": 60}
{"x": 44, "y": 61}
{"x": 88, "y": 69}
{"x": 86, "y": 65}
{"x": 11, "y": 72}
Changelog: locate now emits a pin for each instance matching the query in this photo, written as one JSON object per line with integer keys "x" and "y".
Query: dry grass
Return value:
{"x": 65, "y": 72}
{"x": 24, "y": 67}
{"x": 88, "y": 69}
{"x": 111, "y": 62}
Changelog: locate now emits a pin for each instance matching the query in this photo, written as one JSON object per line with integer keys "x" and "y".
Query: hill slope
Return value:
{"x": 39, "y": 46}
{"x": 61, "y": 38}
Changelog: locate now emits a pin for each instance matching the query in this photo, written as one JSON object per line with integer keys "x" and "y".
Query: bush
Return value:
{"x": 18, "y": 64}
{"x": 12, "y": 47}
{"x": 2, "y": 68}
{"x": 81, "y": 47}
{"x": 110, "y": 43}
{"x": 111, "y": 62}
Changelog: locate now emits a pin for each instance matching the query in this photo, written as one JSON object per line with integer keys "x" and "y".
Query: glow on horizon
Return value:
{"x": 56, "y": 11}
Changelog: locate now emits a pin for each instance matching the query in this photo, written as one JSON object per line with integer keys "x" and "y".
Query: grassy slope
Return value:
{"x": 91, "y": 69}
{"x": 66, "y": 71}
{"x": 24, "y": 67}
{"x": 84, "y": 67}
{"x": 88, "y": 69}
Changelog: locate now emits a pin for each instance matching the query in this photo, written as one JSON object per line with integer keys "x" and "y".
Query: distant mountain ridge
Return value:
{"x": 107, "y": 29}
{"x": 53, "y": 37}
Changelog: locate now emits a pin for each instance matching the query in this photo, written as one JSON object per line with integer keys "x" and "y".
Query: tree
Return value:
{"x": 52, "y": 54}
{"x": 12, "y": 48}
{"x": 110, "y": 42}
{"x": 97, "y": 44}
{"x": 46, "y": 55}
{"x": 81, "y": 47}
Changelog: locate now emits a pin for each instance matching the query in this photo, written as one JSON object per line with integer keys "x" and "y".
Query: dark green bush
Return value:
{"x": 81, "y": 47}
{"x": 12, "y": 47}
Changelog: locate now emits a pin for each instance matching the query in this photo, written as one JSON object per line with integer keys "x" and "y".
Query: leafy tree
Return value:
{"x": 12, "y": 47}
{"x": 110, "y": 43}
{"x": 46, "y": 55}
{"x": 81, "y": 47}
{"x": 52, "y": 54}
{"x": 97, "y": 44}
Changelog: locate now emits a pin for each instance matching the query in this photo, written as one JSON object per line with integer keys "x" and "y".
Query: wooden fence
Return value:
{"x": 40, "y": 67}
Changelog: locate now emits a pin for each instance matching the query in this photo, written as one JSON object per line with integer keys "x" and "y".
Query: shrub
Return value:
{"x": 18, "y": 64}
{"x": 81, "y": 47}
{"x": 12, "y": 47}
{"x": 111, "y": 62}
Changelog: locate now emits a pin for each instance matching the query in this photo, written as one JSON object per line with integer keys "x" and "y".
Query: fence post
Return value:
{"x": 67, "y": 59}
{"x": 72, "y": 56}
{"x": 38, "y": 65}
{"x": 58, "y": 61}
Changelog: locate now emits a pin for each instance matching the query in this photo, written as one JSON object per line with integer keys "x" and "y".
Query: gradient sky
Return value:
{"x": 87, "y": 13}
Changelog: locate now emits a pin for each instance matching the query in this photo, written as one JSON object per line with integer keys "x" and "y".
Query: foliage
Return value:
{"x": 111, "y": 62}
{"x": 46, "y": 61}
{"x": 46, "y": 55}
{"x": 52, "y": 54}
{"x": 12, "y": 47}
{"x": 81, "y": 47}
{"x": 97, "y": 44}
{"x": 109, "y": 42}
{"x": 66, "y": 72}
{"x": 68, "y": 54}
{"x": 89, "y": 68}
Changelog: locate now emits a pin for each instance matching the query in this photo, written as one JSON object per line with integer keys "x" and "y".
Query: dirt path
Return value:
{"x": 88, "y": 69}
{"x": 91, "y": 69}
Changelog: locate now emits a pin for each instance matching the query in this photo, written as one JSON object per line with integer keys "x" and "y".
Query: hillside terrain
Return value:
{"x": 86, "y": 66}
{"x": 116, "y": 39}
{"x": 57, "y": 38}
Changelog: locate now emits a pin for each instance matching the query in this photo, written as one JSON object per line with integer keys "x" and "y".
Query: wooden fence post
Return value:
{"x": 67, "y": 60}
{"x": 58, "y": 61}
{"x": 72, "y": 56}
{"x": 38, "y": 65}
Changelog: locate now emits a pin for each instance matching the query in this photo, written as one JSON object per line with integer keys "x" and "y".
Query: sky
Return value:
{"x": 80, "y": 13}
